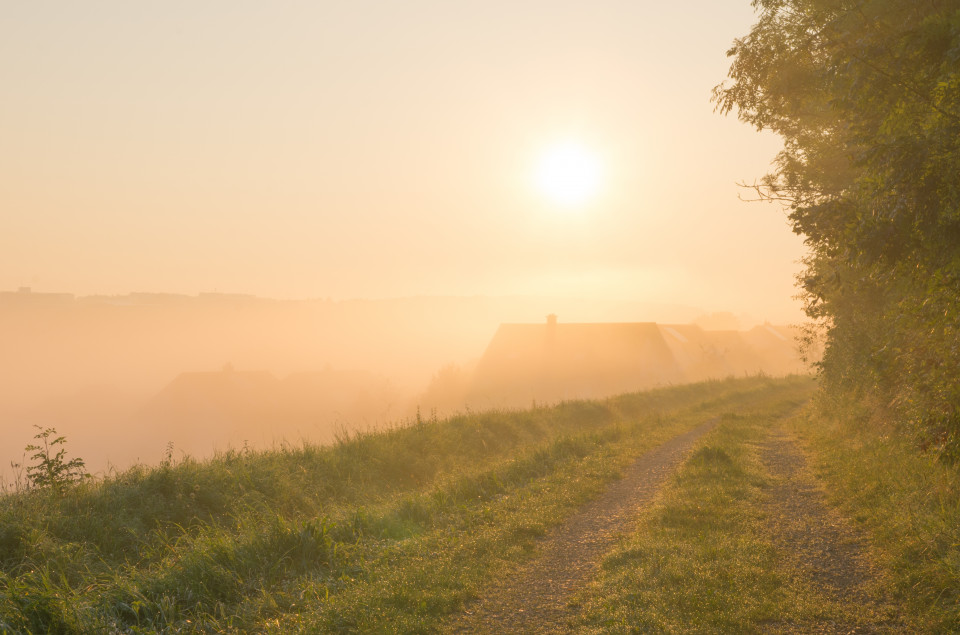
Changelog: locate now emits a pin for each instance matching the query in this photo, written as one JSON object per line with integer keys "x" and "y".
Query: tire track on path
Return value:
{"x": 821, "y": 545}
{"x": 534, "y": 598}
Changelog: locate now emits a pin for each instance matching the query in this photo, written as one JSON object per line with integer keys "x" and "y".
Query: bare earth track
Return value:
{"x": 535, "y": 598}
{"x": 820, "y": 545}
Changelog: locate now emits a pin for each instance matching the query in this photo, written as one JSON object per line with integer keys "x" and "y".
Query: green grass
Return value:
{"x": 703, "y": 559}
{"x": 700, "y": 560}
{"x": 397, "y": 530}
{"x": 907, "y": 500}
{"x": 391, "y": 530}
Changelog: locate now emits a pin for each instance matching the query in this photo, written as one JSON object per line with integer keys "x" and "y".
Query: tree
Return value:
{"x": 866, "y": 96}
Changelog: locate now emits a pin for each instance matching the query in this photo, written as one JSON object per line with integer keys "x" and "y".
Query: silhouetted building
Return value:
{"x": 554, "y": 361}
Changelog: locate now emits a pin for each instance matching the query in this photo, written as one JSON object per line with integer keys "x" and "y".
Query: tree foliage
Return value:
{"x": 866, "y": 96}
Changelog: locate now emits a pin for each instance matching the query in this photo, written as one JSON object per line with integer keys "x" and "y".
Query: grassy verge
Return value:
{"x": 909, "y": 503}
{"x": 704, "y": 559}
{"x": 391, "y": 530}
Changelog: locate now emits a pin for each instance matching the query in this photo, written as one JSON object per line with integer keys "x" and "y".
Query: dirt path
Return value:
{"x": 535, "y": 598}
{"x": 820, "y": 545}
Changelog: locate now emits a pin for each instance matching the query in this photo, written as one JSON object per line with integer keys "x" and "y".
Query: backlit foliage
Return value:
{"x": 866, "y": 96}
{"x": 51, "y": 469}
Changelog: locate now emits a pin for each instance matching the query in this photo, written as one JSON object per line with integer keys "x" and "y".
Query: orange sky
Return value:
{"x": 379, "y": 149}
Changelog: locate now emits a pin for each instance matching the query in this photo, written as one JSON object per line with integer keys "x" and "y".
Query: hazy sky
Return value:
{"x": 373, "y": 149}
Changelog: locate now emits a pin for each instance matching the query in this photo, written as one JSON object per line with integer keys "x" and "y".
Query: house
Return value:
{"x": 553, "y": 361}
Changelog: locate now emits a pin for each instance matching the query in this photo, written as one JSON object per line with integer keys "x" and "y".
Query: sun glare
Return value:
{"x": 568, "y": 174}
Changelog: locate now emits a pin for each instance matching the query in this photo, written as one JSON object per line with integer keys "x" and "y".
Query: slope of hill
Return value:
{"x": 404, "y": 530}
{"x": 290, "y": 537}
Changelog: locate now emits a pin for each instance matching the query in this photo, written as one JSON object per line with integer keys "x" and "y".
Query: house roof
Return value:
{"x": 571, "y": 360}
{"x": 556, "y": 360}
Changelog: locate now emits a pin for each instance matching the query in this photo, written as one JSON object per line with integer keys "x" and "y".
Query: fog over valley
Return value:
{"x": 125, "y": 376}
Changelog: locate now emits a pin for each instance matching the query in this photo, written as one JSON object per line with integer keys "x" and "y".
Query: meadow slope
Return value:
{"x": 404, "y": 530}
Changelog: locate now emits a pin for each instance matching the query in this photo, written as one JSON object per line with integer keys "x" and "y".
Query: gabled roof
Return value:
{"x": 552, "y": 361}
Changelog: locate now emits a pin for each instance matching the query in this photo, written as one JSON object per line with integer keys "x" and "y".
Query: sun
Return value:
{"x": 568, "y": 174}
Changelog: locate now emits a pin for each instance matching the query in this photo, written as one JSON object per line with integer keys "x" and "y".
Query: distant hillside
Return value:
{"x": 203, "y": 410}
